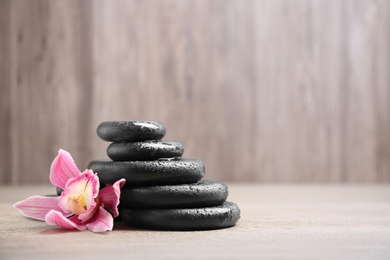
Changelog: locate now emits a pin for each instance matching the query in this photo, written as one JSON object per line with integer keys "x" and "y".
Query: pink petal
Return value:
{"x": 62, "y": 169}
{"x": 38, "y": 206}
{"x": 89, "y": 214}
{"x": 110, "y": 195}
{"x": 55, "y": 218}
{"x": 87, "y": 185}
{"x": 102, "y": 221}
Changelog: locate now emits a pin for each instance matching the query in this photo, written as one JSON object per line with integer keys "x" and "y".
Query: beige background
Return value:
{"x": 261, "y": 91}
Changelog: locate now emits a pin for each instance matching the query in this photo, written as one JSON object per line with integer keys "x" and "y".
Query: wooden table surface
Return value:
{"x": 277, "y": 221}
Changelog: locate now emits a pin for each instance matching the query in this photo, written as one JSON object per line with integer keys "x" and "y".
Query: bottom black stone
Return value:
{"x": 223, "y": 216}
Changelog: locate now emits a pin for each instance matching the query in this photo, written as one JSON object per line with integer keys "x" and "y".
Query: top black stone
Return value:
{"x": 131, "y": 131}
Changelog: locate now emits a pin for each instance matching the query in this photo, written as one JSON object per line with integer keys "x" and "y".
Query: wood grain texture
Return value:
{"x": 263, "y": 91}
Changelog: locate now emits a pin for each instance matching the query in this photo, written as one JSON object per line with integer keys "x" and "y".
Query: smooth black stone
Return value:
{"x": 51, "y": 195}
{"x": 59, "y": 191}
{"x": 205, "y": 193}
{"x": 144, "y": 151}
{"x": 159, "y": 172}
{"x": 131, "y": 131}
{"x": 223, "y": 216}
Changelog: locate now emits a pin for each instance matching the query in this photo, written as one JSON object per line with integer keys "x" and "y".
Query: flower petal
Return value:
{"x": 80, "y": 193}
{"x": 38, "y": 206}
{"x": 103, "y": 221}
{"x": 62, "y": 169}
{"x": 89, "y": 214}
{"x": 55, "y": 218}
{"x": 110, "y": 195}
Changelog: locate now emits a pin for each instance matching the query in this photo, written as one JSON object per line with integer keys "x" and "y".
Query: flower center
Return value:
{"x": 77, "y": 202}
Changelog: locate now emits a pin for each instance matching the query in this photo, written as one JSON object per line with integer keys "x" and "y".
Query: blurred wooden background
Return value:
{"x": 263, "y": 91}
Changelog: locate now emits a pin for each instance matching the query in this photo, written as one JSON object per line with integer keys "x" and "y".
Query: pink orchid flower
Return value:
{"x": 81, "y": 205}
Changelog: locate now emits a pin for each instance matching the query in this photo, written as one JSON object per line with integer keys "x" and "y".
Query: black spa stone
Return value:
{"x": 222, "y": 216}
{"x": 158, "y": 172}
{"x": 205, "y": 193}
{"x": 131, "y": 131}
{"x": 144, "y": 151}
{"x": 59, "y": 191}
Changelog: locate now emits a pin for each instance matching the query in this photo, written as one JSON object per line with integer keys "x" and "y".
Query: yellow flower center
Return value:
{"x": 77, "y": 202}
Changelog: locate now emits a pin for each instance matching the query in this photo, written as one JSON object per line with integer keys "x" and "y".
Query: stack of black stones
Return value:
{"x": 163, "y": 190}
